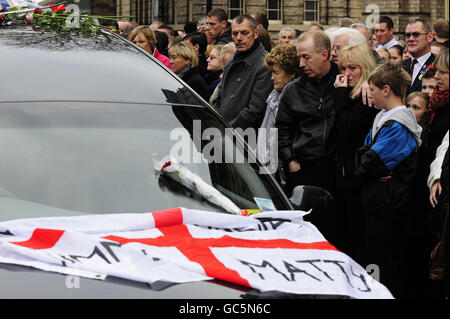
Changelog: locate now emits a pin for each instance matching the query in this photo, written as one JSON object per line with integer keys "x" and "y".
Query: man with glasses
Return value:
{"x": 418, "y": 37}
{"x": 384, "y": 32}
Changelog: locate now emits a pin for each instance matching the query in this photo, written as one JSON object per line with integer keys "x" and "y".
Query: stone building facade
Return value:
{"x": 298, "y": 14}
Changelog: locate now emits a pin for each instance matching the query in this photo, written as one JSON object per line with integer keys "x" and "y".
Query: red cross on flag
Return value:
{"x": 269, "y": 251}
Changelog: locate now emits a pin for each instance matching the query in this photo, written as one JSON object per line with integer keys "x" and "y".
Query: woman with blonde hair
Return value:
{"x": 353, "y": 122}
{"x": 184, "y": 63}
{"x": 145, "y": 38}
{"x": 215, "y": 68}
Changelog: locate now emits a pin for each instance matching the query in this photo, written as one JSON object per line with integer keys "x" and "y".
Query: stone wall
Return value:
{"x": 331, "y": 11}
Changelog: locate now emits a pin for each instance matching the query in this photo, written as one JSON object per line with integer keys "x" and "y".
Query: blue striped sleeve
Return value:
{"x": 394, "y": 144}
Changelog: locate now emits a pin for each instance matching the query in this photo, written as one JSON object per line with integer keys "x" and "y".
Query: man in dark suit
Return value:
{"x": 418, "y": 37}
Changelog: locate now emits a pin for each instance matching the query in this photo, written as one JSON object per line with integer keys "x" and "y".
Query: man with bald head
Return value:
{"x": 306, "y": 116}
{"x": 305, "y": 120}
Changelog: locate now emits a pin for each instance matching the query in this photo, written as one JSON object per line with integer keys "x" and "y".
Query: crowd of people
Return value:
{"x": 357, "y": 112}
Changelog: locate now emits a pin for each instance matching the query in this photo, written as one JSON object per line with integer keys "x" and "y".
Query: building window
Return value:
{"x": 235, "y": 8}
{"x": 274, "y": 10}
{"x": 311, "y": 11}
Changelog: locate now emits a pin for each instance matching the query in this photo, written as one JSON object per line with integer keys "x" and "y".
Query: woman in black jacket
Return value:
{"x": 184, "y": 62}
{"x": 353, "y": 122}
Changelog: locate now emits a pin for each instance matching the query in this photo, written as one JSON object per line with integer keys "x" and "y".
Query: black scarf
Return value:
{"x": 240, "y": 55}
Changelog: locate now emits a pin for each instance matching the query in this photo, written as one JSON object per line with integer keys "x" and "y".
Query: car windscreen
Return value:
{"x": 72, "y": 158}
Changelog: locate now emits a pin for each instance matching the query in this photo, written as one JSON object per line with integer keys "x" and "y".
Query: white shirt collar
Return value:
{"x": 391, "y": 43}
{"x": 423, "y": 58}
{"x": 418, "y": 66}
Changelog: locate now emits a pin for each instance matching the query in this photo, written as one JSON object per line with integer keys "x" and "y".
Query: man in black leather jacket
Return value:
{"x": 305, "y": 122}
{"x": 306, "y": 117}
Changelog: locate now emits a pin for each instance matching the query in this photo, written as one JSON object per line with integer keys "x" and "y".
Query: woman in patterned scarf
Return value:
{"x": 284, "y": 64}
{"x": 427, "y": 223}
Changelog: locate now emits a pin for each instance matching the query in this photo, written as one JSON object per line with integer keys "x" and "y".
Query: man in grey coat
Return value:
{"x": 246, "y": 83}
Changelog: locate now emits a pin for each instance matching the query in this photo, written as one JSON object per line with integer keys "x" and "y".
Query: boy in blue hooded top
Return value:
{"x": 387, "y": 163}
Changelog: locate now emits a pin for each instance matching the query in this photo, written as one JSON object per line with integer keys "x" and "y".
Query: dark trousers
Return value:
{"x": 350, "y": 223}
{"x": 385, "y": 247}
{"x": 320, "y": 174}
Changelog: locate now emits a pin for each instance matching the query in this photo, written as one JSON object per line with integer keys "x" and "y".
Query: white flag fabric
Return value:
{"x": 269, "y": 251}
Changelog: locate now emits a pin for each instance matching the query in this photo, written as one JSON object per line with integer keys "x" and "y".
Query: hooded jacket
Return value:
{"x": 390, "y": 149}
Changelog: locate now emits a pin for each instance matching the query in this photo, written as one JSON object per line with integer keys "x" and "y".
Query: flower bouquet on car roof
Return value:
{"x": 51, "y": 17}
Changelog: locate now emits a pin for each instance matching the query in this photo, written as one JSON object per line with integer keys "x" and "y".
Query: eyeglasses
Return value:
{"x": 414, "y": 34}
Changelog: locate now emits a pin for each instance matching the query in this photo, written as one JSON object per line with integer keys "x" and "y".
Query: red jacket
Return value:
{"x": 162, "y": 58}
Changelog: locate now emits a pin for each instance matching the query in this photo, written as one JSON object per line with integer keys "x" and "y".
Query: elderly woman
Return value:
{"x": 145, "y": 38}
{"x": 215, "y": 68}
{"x": 353, "y": 122}
{"x": 284, "y": 64}
{"x": 226, "y": 54}
{"x": 286, "y": 35}
{"x": 184, "y": 62}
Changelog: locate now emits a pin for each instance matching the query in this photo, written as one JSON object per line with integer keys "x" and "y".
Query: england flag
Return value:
{"x": 271, "y": 251}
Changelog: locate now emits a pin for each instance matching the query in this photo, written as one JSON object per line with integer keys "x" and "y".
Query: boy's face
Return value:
{"x": 377, "y": 96}
{"x": 428, "y": 85}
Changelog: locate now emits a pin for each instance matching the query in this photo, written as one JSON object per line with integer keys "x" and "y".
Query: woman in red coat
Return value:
{"x": 145, "y": 38}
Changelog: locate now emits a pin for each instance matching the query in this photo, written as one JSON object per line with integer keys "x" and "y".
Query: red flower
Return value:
{"x": 165, "y": 165}
{"x": 59, "y": 8}
{"x": 38, "y": 11}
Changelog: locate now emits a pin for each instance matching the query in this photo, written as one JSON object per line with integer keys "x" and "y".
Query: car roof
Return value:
{"x": 49, "y": 66}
